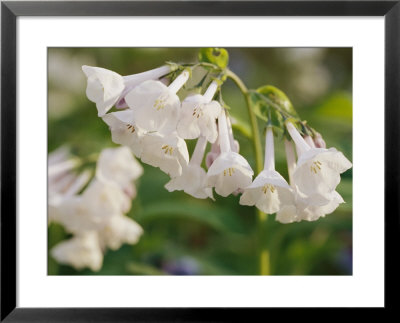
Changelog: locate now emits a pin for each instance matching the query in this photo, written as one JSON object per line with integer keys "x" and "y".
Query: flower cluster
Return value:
{"x": 96, "y": 217}
{"x": 155, "y": 123}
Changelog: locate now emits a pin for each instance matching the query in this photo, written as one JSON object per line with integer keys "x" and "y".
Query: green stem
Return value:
{"x": 264, "y": 264}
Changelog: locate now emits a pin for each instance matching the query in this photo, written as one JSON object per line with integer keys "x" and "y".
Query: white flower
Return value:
{"x": 92, "y": 209}
{"x": 193, "y": 179}
{"x": 199, "y": 114}
{"x": 63, "y": 182}
{"x": 300, "y": 210}
{"x": 124, "y": 131}
{"x": 304, "y": 207}
{"x": 269, "y": 192}
{"x": 120, "y": 229}
{"x": 230, "y": 171}
{"x": 106, "y": 88}
{"x": 80, "y": 252}
{"x": 318, "y": 170}
{"x": 168, "y": 152}
{"x": 155, "y": 106}
{"x": 119, "y": 166}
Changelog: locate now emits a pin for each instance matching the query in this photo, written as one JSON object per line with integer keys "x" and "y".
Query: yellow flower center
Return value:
{"x": 167, "y": 149}
{"x": 229, "y": 171}
{"x": 268, "y": 187}
{"x": 315, "y": 167}
{"x": 161, "y": 102}
{"x": 198, "y": 111}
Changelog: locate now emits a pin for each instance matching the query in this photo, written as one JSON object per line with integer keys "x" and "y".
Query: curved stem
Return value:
{"x": 264, "y": 264}
{"x": 253, "y": 119}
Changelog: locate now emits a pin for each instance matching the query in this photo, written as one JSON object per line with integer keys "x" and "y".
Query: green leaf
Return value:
{"x": 219, "y": 218}
{"x": 277, "y": 97}
{"x": 217, "y": 56}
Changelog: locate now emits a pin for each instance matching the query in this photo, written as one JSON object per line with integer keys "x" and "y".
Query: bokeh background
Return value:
{"x": 188, "y": 236}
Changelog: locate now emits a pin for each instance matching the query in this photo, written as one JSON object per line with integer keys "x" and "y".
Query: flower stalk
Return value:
{"x": 264, "y": 264}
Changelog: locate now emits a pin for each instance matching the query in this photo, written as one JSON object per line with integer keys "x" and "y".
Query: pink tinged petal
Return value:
{"x": 213, "y": 154}
{"x": 319, "y": 142}
{"x": 121, "y": 104}
{"x": 154, "y": 106}
{"x": 309, "y": 141}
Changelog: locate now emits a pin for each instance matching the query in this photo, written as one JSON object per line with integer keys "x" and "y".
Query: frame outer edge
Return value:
{"x": 8, "y": 161}
{"x": 203, "y": 8}
{"x": 8, "y": 145}
{"x": 392, "y": 148}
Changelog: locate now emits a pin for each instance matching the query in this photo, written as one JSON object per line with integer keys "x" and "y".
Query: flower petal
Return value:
{"x": 155, "y": 107}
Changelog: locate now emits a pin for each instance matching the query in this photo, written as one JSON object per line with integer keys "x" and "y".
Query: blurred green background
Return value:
{"x": 184, "y": 235}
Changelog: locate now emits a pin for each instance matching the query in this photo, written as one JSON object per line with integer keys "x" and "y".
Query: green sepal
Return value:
{"x": 173, "y": 66}
{"x": 217, "y": 56}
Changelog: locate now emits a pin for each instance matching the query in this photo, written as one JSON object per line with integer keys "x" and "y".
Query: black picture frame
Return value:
{"x": 11, "y": 10}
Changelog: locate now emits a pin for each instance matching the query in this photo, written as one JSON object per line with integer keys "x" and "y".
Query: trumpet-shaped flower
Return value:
{"x": 155, "y": 106}
{"x": 303, "y": 207}
{"x": 230, "y": 171}
{"x": 92, "y": 209}
{"x": 124, "y": 131}
{"x": 193, "y": 178}
{"x": 63, "y": 183}
{"x": 106, "y": 88}
{"x": 318, "y": 170}
{"x": 269, "y": 192}
{"x": 301, "y": 210}
{"x": 120, "y": 229}
{"x": 80, "y": 252}
{"x": 168, "y": 152}
{"x": 119, "y": 166}
{"x": 199, "y": 114}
